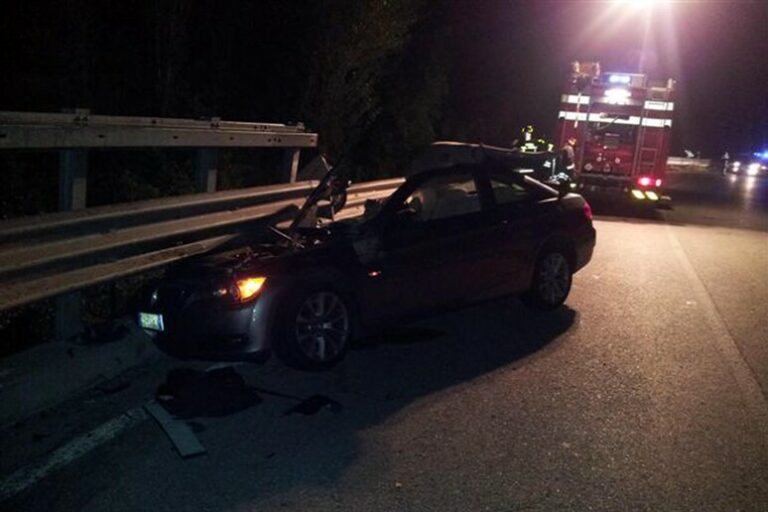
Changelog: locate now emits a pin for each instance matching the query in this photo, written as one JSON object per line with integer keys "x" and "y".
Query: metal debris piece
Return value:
{"x": 178, "y": 432}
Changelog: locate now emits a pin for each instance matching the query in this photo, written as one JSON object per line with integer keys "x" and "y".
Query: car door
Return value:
{"x": 524, "y": 213}
{"x": 429, "y": 246}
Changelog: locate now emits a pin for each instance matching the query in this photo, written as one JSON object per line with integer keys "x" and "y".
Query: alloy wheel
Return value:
{"x": 554, "y": 277}
{"x": 322, "y": 326}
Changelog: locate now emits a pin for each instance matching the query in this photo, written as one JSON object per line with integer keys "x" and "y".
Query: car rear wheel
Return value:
{"x": 316, "y": 332}
{"x": 551, "y": 281}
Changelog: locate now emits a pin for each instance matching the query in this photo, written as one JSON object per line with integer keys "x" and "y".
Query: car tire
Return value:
{"x": 551, "y": 283}
{"x": 315, "y": 330}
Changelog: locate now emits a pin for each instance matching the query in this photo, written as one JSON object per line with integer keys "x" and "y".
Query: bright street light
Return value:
{"x": 639, "y": 3}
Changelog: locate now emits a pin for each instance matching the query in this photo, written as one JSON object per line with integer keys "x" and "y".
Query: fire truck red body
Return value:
{"x": 621, "y": 123}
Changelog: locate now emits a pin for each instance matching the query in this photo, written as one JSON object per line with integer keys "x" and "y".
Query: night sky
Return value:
{"x": 507, "y": 60}
{"x": 515, "y": 51}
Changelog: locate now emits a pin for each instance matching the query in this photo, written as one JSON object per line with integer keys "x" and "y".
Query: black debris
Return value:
{"x": 313, "y": 405}
{"x": 189, "y": 393}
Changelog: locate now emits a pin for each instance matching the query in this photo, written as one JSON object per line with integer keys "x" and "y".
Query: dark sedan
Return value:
{"x": 465, "y": 227}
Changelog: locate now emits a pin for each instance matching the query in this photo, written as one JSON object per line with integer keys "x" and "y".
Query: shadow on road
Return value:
{"x": 626, "y": 209}
{"x": 406, "y": 367}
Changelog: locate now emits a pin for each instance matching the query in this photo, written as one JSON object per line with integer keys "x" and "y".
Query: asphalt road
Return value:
{"x": 647, "y": 392}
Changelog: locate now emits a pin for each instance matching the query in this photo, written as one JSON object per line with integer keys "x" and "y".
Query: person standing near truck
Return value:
{"x": 568, "y": 156}
{"x": 726, "y": 159}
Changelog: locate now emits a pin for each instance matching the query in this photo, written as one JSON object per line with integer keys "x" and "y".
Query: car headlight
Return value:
{"x": 248, "y": 288}
{"x": 242, "y": 290}
{"x": 753, "y": 169}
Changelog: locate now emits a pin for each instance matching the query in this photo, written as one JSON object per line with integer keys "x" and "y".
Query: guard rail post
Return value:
{"x": 73, "y": 174}
{"x": 206, "y": 168}
{"x": 291, "y": 164}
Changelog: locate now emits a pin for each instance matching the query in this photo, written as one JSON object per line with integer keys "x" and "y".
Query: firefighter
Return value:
{"x": 544, "y": 145}
{"x": 526, "y": 142}
{"x": 568, "y": 155}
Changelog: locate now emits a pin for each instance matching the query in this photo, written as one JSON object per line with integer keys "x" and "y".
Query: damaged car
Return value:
{"x": 466, "y": 225}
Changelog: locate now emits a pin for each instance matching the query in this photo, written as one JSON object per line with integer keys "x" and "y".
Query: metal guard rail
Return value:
{"x": 54, "y": 254}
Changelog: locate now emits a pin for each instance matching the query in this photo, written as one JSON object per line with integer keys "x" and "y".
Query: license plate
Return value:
{"x": 151, "y": 321}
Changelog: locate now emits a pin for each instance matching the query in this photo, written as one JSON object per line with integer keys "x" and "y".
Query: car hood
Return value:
{"x": 262, "y": 258}
{"x": 226, "y": 263}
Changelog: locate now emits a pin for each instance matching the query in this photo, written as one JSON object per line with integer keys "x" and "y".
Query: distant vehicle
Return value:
{"x": 749, "y": 164}
{"x": 622, "y": 123}
{"x": 467, "y": 225}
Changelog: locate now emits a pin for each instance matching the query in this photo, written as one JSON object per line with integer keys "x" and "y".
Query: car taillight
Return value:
{"x": 658, "y": 182}
{"x": 587, "y": 211}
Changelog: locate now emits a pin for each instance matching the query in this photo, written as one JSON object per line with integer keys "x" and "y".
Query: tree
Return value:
{"x": 355, "y": 42}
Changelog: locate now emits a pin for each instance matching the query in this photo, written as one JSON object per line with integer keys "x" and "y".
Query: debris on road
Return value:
{"x": 218, "y": 392}
{"x": 178, "y": 432}
{"x": 313, "y": 405}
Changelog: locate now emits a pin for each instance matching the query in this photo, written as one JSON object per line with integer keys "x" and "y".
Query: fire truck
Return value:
{"x": 621, "y": 123}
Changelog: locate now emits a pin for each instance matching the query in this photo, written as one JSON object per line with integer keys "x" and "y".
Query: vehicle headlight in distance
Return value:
{"x": 753, "y": 169}
{"x": 248, "y": 287}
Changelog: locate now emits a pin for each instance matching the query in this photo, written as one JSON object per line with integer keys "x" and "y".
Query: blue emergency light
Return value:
{"x": 763, "y": 155}
{"x": 619, "y": 79}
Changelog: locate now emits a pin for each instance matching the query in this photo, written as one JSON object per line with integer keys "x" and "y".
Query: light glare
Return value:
{"x": 617, "y": 96}
{"x": 639, "y": 3}
{"x": 247, "y": 288}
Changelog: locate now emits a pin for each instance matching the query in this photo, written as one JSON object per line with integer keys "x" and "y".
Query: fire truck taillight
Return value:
{"x": 647, "y": 181}
{"x": 644, "y": 181}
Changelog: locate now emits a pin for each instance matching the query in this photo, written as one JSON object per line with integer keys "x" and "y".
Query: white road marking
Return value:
{"x": 30, "y": 475}
{"x": 752, "y": 394}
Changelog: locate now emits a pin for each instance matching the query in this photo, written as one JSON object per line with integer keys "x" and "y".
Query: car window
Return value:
{"x": 507, "y": 189}
{"x": 444, "y": 197}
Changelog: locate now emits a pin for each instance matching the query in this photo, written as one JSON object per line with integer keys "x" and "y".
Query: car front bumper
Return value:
{"x": 211, "y": 331}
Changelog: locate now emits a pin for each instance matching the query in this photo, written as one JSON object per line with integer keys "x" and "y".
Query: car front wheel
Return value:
{"x": 316, "y": 331}
{"x": 551, "y": 281}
